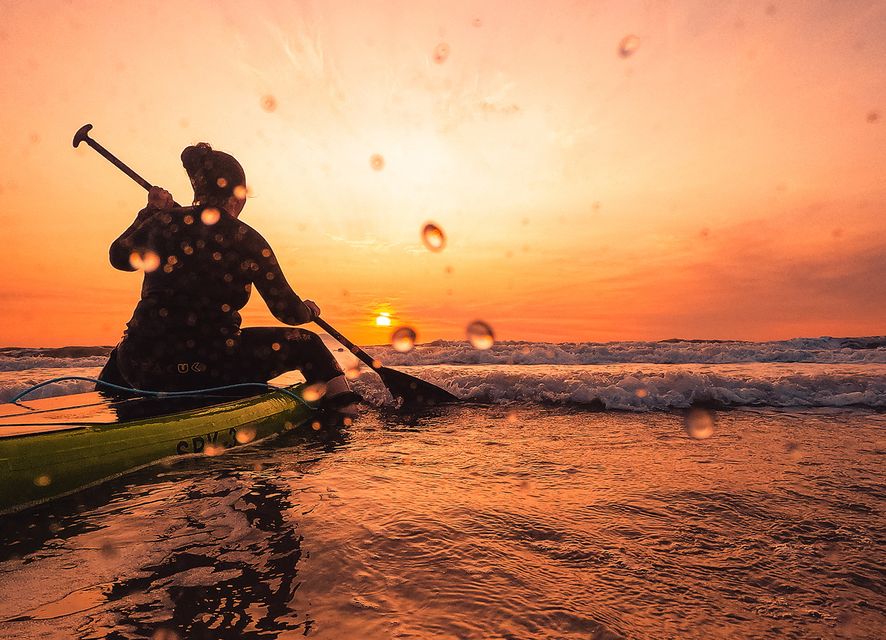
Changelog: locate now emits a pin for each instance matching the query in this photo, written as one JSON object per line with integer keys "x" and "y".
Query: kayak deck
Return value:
{"x": 54, "y": 446}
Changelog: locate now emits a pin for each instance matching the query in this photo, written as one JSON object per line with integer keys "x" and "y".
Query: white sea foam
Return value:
{"x": 821, "y": 350}
{"x": 628, "y": 387}
{"x": 631, "y": 376}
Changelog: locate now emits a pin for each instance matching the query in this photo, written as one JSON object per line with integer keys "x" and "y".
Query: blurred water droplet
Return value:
{"x": 352, "y": 373}
{"x": 480, "y": 335}
{"x": 699, "y": 423}
{"x": 245, "y": 435}
{"x": 441, "y": 53}
{"x": 433, "y": 237}
{"x": 377, "y": 161}
{"x": 213, "y": 449}
{"x": 641, "y": 393}
{"x": 210, "y": 216}
{"x": 511, "y": 418}
{"x": 793, "y": 452}
{"x": 403, "y": 339}
{"x": 316, "y": 426}
{"x": 314, "y": 392}
{"x": 222, "y": 183}
{"x": 477, "y": 22}
{"x": 108, "y": 549}
{"x": 147, "y": 261}
{"x": 376, "y": 364}
{"x": 873, "y": 116}
{"x": 240, "y": 192}
{"x": 164, "y": 633}
{"x": 269, "y": 103}
{"x": 43, "y": 480}
{"x": 628, "y": 45}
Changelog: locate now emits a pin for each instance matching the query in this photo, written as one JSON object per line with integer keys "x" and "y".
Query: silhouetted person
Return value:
{"x": 200, "y": 265}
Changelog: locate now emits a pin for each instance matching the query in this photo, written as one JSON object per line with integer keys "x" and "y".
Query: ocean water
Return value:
{"x": 572, "y": 496}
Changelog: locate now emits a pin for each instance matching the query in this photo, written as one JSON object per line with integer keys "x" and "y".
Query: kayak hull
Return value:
{"x": 56, "y": 457}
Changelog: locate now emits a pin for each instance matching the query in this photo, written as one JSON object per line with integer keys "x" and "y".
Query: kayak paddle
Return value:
{"x": 401, "y": 385}
{"x": 409, "y": 389}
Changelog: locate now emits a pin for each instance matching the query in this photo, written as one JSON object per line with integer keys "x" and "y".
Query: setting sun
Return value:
{"x": 383, "y": 319}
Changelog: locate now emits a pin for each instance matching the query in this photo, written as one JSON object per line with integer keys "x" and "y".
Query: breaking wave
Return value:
{"x": 624, "y": 376}
{"x": 820, "y": 350}
{"x": 657, "y": 387}
{"x": 22, "y": 359}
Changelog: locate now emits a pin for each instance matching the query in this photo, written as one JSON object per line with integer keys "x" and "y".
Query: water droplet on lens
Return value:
{"x": 109, "y": 550}
{"x": 628, "y": 45}
{"x": 147, "y": 261}
{"x": 210, "y": 216}
{"x": 477, "y": 22}
{"x": 873, "y": 116}
{"x": 377, "y": 161}
{"x": 793, "y": 451}
{"x": 433, "y": 237}
{"x": 699, "y": 423}
{"x": 316, "y": 426}
{"x": 269, "y": 103}
{"x": 240, "y": 192}
{"x": 641, "y": 392}
{"x": 213, "y": 450}
{"x": 245, "y": 435}
{"x": 480, "y": 335}
{"x": 222, "y": 183}
{"x": 352, "y": 373}
{"x": 441, "y": 52}
{"x": 164, "y": 633}
{"x": 314, "y": 392}
{"x": 43, "y": 480}
{"x": 403, "y": 339}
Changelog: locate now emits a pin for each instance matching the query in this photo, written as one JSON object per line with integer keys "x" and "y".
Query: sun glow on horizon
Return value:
{"x": 383, "y": 319}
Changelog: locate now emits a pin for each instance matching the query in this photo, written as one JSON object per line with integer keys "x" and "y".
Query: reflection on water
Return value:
{"x": 475, "y": 522}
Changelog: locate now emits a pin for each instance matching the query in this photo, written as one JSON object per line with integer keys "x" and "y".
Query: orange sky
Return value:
{"x": 724, "y": 181}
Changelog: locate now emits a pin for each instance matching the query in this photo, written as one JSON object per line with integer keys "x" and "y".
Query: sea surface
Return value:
{"x": 675, "y": 489}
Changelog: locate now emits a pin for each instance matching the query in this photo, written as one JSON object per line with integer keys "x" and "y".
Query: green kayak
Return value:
{"x": 55, "y": 446}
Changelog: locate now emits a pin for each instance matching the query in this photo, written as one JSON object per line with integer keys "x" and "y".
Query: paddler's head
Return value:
{"x": 217, "y": 178}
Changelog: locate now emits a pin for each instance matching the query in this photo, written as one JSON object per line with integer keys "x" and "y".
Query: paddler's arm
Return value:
{"x": 158, "y": 200}
{"x": 283, "y": 302}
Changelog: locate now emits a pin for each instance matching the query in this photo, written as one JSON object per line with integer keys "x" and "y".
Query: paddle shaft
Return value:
{"x": 357, "y": 351}
{"x": 117, "y": 162}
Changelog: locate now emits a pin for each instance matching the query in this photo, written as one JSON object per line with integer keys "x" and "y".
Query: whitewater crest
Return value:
{"x": 620, "y": 376}
{"x": 627, "y": 387}
{"x": 819, "y": 350}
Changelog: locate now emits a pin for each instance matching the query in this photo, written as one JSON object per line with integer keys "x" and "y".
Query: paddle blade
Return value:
{"x": 412, "y": 390}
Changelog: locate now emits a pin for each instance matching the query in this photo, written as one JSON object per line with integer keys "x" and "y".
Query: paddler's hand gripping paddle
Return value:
{"x": 401, "y": 385}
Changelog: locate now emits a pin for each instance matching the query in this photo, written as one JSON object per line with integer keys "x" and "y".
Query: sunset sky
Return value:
{"x": 726, "y": 180}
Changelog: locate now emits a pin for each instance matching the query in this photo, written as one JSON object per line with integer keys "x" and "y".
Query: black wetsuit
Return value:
{"x": 200, "y": 266}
